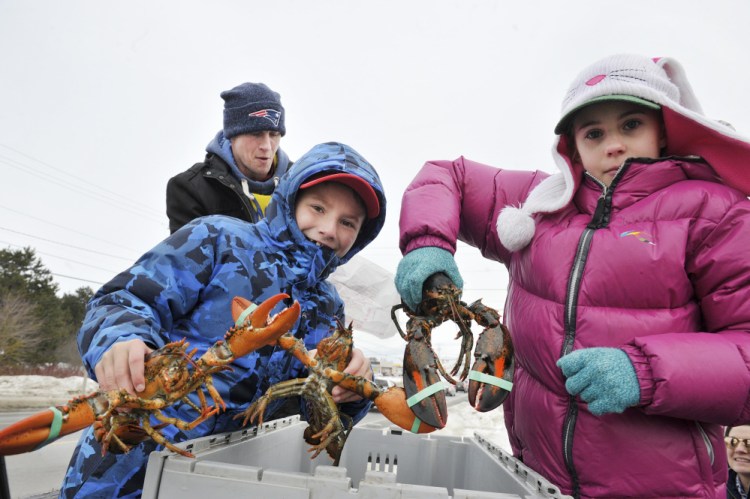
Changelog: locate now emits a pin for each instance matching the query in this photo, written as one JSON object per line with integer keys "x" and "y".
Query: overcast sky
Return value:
{"x": 101, "y": 102}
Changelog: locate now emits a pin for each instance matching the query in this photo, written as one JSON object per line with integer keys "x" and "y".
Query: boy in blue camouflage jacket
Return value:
{"x": 327, "y": 207}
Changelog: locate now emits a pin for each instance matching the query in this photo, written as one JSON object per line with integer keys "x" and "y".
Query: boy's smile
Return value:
{"x": 608, "y": 133}
{"x": 330, "y": 214}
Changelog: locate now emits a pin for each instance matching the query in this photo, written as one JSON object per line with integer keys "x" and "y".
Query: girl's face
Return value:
{"x": 608, "y": 133}
{"x": 330, "y": 214}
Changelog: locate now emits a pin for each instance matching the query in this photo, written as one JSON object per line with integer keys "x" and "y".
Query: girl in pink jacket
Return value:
{"x": 629, "y": 294}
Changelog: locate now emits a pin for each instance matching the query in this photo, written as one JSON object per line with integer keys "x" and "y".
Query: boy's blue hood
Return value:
{"x": 330, "y": 156}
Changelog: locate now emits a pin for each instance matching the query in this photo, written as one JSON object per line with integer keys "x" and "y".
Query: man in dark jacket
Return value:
{"x": 243, "y": 162}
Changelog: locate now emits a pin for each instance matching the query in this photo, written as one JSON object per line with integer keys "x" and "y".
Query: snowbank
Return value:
{"x": 24, "y": 392}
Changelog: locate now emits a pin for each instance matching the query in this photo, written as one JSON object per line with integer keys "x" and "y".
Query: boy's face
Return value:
{"x": 608, "y": 133}
{"x": 739, "y": 456}
{"x": 330, "y": 214}
{"x": 254, "y": 152}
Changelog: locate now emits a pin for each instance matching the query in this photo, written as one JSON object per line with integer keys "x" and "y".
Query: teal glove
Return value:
{"x": 417, "y": 265}
{"x": 604, "y": 377}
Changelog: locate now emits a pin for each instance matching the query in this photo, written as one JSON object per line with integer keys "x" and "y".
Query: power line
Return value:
{"x": 66, "y": 228}
{"x": 98, "y": 193}
{"x": 56, "y": 169}
{"x": 62, "y": 258}
{"x": 68, "y": 245}
{"x": 76, "y": 278}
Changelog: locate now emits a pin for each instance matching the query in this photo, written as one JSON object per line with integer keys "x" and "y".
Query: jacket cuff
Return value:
{"x": 643, "y": 373}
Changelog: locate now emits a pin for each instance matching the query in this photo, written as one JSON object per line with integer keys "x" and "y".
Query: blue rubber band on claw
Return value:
{"x": 415, "y": 426}
{"x": 424, "y": 393}
{"x": 54, "y": 429}
{"x": 490, "y": 380}
{"x": 245, "y": 314}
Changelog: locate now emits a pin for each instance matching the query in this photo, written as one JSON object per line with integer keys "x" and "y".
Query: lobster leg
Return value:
{"x": 491, "y": 377}
{"x": 123, "y": 429}
{"x": 257, "y": 409}
{"x": 159, "y": 438}
{"x": 44, "y": 427}
{"x": 325, "y": 410}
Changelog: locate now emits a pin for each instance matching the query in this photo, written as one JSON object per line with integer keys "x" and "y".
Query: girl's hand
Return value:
{"x": 604, "y": 378}
{"x": 122, "y": 367}
{"x": 359, "y": 366}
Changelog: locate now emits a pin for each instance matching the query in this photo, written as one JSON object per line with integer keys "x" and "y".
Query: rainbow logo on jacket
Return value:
{"x": 641, "y": 236}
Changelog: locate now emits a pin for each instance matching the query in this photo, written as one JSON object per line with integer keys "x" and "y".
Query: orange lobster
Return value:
{"x": 326, "y": 430}
{"x": 171, "y": 374}
{"x": 490, "y": 377}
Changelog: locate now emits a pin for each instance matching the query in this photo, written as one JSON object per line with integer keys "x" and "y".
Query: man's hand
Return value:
{"x": 122, "y": 367}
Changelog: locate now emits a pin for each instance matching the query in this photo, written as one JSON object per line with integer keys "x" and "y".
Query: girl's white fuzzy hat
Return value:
{"x": 656, "y": 83}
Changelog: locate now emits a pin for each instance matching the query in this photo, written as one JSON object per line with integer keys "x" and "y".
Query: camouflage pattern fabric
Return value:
{"x": 183, "y": 288}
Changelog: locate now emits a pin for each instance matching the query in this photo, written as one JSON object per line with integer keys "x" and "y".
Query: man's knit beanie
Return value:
{"x": 252, "y": 107}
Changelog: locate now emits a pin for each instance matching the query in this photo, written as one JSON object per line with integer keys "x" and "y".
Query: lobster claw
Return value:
{"x": 46, "y": 426}
{"x": 491, "y": 376}
{"x": 422, "y": 383}
{"x": 253, "y": 329}
{"x": 391, "y": 402}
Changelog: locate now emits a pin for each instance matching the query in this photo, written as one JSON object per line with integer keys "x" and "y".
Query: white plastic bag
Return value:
{"x": 369, "y": 294}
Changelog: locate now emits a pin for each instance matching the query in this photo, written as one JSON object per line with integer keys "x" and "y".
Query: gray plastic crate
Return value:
{"x": 272, "y": 461}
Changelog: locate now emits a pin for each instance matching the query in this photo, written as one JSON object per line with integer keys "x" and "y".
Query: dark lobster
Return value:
{"x": 491, "y": 376}
{"x": 326, "y": 429}
{"x": 172, "y": 373}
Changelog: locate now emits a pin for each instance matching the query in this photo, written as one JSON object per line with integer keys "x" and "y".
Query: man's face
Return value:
{"x": 330, "y": 214}
{"x": 254, "y": 153}
{"x": 739, "y": 456}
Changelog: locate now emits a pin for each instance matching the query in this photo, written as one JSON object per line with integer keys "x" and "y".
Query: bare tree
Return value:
{"x": 20, "y": 329}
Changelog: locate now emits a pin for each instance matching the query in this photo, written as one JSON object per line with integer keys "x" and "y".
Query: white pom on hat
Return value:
{"x": 516, "y": 227}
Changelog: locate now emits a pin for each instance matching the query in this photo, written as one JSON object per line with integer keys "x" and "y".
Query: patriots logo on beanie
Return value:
{"x": 271, "y": 115}
{"x": 250, "y": 108}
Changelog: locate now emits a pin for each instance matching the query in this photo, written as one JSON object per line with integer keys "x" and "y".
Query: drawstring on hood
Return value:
{"x": 635, "y": 78}
{"x": 222, "y": 147}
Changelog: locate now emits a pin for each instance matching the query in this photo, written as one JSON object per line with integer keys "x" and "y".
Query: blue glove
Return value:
{"x": 417, "y": 265}
{"x": 603, "y": 377}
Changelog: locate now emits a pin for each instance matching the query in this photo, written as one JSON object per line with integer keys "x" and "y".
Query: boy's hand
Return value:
{"x": 122, "y": 367}
{"x": 359, "y": 366}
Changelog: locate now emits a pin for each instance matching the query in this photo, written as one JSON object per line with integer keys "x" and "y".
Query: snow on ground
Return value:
{"x": 23, "y": 392}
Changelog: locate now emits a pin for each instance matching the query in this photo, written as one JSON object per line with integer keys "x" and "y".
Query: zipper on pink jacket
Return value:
{"x": 599, "y": 220}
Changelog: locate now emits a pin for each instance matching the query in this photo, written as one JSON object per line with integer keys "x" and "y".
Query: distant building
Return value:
{"x": 386, "y": 367}
{"x": 375, "y": 364}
